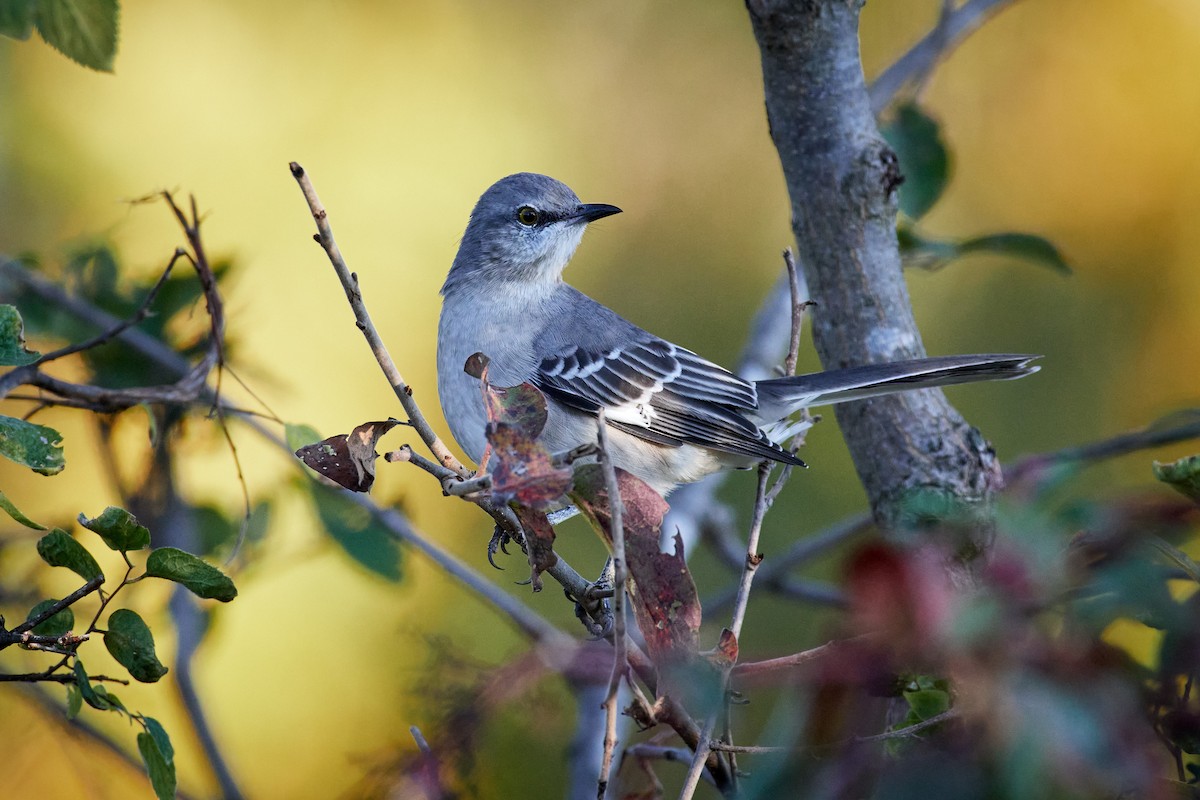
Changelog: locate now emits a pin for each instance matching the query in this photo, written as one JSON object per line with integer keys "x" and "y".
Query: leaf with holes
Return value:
{"x": 12, "y": 329}
{"x": 348, "y": 459}
{"x": 664, "y": 596}
{"x": 33, "y": 446}
{"x": 522, "y": 470}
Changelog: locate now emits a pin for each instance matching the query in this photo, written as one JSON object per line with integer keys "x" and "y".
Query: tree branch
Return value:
{"x": 842, "y": 179}
{"x": 620, "y": 668}
{"x": 349, "y": 280}
{"x": 952, "y": 29}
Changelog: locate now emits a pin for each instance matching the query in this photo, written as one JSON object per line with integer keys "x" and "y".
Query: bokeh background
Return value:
{"x": 1077, "y": 120}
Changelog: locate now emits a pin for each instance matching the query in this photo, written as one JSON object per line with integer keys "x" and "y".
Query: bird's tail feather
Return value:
{"x": 779, "y": 397}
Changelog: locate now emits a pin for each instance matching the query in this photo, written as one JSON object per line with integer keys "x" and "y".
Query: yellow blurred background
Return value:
{"x": 1076, "y": 119}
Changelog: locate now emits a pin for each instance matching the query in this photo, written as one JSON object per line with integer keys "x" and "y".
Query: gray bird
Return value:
{"x": 674, "y": 417}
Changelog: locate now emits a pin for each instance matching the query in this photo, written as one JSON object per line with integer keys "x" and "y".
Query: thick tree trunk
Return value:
{"x": 842, "y": 179}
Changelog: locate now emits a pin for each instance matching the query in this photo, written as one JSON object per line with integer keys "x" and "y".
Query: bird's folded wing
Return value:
{"x": 662, "y": 393}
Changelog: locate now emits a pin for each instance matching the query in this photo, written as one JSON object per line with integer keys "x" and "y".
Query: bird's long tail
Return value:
{"x": 780, "y": 397}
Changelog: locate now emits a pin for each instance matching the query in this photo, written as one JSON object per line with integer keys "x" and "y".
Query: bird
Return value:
{"x": 673, "y": 416}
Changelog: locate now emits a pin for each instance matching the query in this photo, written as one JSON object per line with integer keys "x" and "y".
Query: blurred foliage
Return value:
{"x": 84, "y": 31}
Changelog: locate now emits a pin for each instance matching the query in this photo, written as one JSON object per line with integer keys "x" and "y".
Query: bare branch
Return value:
{"x": 620, "y": 668}
{"x": 954, "y": 26}
{"x": 911, "y": 730}
{"x": 50, "y": 611}
{"x": 774, "y": 572}
{"x": 55, "y": 677}
{"x": 1154, "y": 435}
{"x": 116, "y": 330}
{"x": 349, "y": 282}
{"x": 139, "y": 341}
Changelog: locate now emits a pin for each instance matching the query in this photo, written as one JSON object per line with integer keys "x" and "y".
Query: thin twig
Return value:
{"x": 138, "y": 340}
{"x": 950, "y": 32}
{"x": 1123, "y": 444}
{"x": 142, "y": 312}
{"x": 55, "y": 677}
{"x": 419, "y": 738}
{"x": 74, "y": 597}
{"x": 798, "y": 305}
{"x": 764, "y": 498}
{"x": 406, "y": 453}
{"x": 699, "y": 758}
{"x": 774, "y": 572}
{"x": 758, "y": 670}
{"x": 620, "y": 668}
{"x": 911, "y": 730}
{"x": 571, "y": 580}
{"x": 349, "y": 281}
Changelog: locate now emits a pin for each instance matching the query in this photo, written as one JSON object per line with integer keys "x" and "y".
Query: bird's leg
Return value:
{"x": 499, "y": 542}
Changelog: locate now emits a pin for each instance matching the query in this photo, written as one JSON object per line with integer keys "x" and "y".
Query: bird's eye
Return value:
{"x": 528, "y": 216}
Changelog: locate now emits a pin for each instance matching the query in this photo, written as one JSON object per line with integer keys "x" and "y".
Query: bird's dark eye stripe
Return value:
{"x": 531, "y": 217}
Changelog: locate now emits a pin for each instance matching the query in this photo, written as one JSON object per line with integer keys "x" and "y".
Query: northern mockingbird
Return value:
{"x": 674, "y": 417}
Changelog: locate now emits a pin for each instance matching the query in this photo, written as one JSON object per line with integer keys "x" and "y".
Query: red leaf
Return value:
{"x": 663, "y": 594}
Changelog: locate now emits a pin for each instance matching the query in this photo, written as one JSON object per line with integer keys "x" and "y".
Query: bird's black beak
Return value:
{"x": 590, "y": 212}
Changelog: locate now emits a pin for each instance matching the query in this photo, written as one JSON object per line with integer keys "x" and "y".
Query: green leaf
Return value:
{"x": 84, "y": 31}
{"x": 215, "y": 530}
{"x": 110, "y": 700}
{"x": 82, "y": 682}
{"x": 353, "y": 527}
{"x": 925, "y": 704}
{"x": 12, "y": 329}
{"x": 155, "y": 729}
{"x": 300, "y": 435}
{"x": 13, "y": 512}
{"x": 1019, "y": 245}
{"x": 58, "y": 549}
{"x": 931, "y": 254}
{"x": 1182, "y": 475}
{"x": 16, "y": 18}
{"x": 74, "y": 701}
{"x": 119, "y": 529}
{"x": 33, "y": 446}
{"x": 203, "y": 580}
{"x": 131, "y": 643}
{"x": 57, "y": 625}
{"x": 924, "y": 159}
{"x": 160, "y": 770}
{"x": 95, "y": 696}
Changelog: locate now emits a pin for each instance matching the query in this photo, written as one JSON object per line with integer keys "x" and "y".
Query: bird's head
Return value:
{"x": 523, "y": 229}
